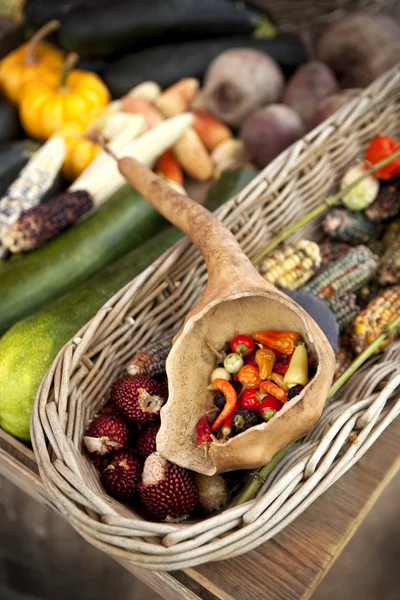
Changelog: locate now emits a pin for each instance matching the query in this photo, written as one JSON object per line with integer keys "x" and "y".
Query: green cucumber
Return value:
{"x": 121, "y": 224}
{"x": 28, "y": 349}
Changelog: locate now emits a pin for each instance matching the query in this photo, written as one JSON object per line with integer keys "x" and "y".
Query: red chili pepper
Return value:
{"x": 310, "y": 361}
{"x": 278, "y": 355}
{"x": 380, "y": 148}
{"x": 269, "y": 406}
{"x": 203, "y": 430}
{"x": 249, "y": 399}
{"x": 230, "y": 401}
{"x": 242, "y": 344}
{"x": 227, "y": 425}
{"x": 281, "y": 367}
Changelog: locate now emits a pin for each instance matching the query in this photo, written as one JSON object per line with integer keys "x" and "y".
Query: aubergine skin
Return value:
{"x": 128, "y": 24}
{"x": 168, "y": 63}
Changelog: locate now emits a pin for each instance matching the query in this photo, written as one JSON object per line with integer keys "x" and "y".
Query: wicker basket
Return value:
{"x": 157, "y": 300}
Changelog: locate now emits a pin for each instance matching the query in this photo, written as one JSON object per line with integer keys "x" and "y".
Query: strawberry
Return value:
{"x": 122, "y": 476}
{"x": 138, "y": 398}
{"x": 106, "y": 433}
{"x": 146, "y": 443}
{"x": 168, "y": 492}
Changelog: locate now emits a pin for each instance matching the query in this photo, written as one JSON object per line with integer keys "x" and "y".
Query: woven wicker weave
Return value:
{"x": 157, "y": 300}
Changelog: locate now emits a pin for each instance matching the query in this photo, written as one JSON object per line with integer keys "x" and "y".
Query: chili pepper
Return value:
{"x": 233, "y": 362}
{"x": 227, "y": 425}
{"x": 249, "y": 376}
{"x": 249, "y": 399}
{"x": 281, "y": 367}
{"x": 268, "y": 387}
{"x": 380, "y": 148}
{"x": 242, "y": 344}
{"x": 203, "y": 430}
{"x": 284, "y": 341}
{"x": 220, "y": 373}
{"x": 278, "y": 355}
{"x": 298, "y": 369}
{"x": 265, "y": 359}
{"x": 269, "y": 406}
{"x": 278, "y": 379}
{"x": 230, "y": 401}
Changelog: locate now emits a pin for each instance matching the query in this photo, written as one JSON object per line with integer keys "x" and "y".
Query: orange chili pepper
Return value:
{"x": 284, "y": 341}
{"x": 268, "y": 387}
{"x": 278, "y": 379}
{"x": 228, "y": 390}
{"x": 249, "y": 376}
{"x": 265, "y": 359}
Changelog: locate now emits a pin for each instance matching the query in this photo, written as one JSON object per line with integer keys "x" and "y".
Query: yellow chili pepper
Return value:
{"x": 298, "y": 368}
{"x": 265, "y": 359}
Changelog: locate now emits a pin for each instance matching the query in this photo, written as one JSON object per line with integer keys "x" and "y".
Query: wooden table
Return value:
{"x": 288, "y": 567}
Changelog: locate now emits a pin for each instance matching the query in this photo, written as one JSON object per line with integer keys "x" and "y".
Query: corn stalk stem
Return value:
{"x": 321, "y": 208}
{"x": 260, "y": 476}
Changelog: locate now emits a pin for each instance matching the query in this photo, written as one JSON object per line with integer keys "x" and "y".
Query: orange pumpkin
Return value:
{"x": 77, "y": 97}
{"x": 80, "y": 150}
{"x": 30, "y": 62}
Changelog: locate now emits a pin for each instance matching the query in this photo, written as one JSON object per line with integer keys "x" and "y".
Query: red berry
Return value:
{"x": 122, "y": 476}
{"x": 138, "y": 398}
{"x": 249, "y": 399}
{"x": 107, "y": 433}
{"x": 146, "y": 443}
{"x": 167, "y": 491}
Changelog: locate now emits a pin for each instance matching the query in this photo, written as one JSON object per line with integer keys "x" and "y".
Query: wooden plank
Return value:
{"x": 288, "y": 567}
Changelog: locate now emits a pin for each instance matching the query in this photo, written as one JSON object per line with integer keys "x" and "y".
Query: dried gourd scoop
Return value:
{"x": 236, "y": 300}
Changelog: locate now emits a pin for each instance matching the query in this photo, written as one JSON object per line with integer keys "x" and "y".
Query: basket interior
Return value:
{"x": 158, "y": 300}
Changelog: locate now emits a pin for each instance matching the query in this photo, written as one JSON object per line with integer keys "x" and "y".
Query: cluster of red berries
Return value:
{"x": 131, "y": 469}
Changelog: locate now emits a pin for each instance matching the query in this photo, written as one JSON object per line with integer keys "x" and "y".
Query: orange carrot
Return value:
{"x": 178, "y": 98}
{"x": 168, "y": 166}
{"x": 135, "y": 105}
{"x": 211, "y": 131}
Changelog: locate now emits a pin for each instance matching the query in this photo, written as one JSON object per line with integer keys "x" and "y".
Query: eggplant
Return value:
{"x": 168, "y": 63}
{"x": 129, "y": 24}
{"x": 39, "y": 12}
{"x": 9, "y": 122}
{"x": 11, "y": 36}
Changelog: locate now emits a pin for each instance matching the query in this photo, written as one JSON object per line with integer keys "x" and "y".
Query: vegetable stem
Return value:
{"x": 321, "y": 208}
{"x": 260, "y": 476}
{"x": 69, "y": 64}
{"x": 30, "y": 54}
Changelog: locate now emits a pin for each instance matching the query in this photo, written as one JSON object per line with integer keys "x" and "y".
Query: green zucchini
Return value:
{"x": 121, "y": 224}
{"x": 119, "y": 26}
{"x": 28, "y": 349}
{"x": 168, "y": 63}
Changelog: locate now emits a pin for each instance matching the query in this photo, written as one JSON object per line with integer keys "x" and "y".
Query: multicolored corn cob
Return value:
{"x": 150, "y": 360}
{"x": 292, "y": 265}
{"x": 331, "y": 250}
{"x": 31, "y": 184}
{"x": 344, "y": 358}
{"x": 387, "y": 204}
{"x": 346, "y": 226}
{"x": 367, "y": 293}
{"x": 369, "y": 324}
{"x": 392, "y": 235}
{"x": 389, "y": 264}
{"x": 345, "y": 275}
{"x": 344, "y": 307}
{"x": 44, "y": 222}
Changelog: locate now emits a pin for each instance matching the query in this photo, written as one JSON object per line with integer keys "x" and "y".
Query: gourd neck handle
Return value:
{"x": 227, "y": 265}
{"x": 31, "y": 47}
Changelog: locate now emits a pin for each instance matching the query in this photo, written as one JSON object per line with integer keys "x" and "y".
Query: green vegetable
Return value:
{"x": 28, "y": 349}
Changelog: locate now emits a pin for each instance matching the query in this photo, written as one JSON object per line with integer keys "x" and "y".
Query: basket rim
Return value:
{"x": 63, "y": 478}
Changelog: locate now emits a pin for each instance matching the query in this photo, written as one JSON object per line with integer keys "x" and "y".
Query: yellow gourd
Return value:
{"x": 29, "y": 63}
{"x": 81, "y": 151}
{"x": 72, "y": 97}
